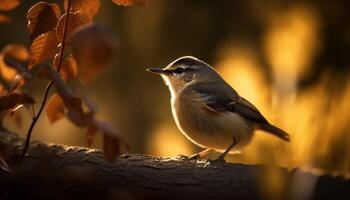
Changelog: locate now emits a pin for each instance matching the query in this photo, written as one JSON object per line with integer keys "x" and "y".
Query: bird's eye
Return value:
{"x": 179, "y": 71}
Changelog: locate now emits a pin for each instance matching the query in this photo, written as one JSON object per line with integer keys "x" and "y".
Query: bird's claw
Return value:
{"x": 220, "y": 159}
{"x": 183, "y": 157}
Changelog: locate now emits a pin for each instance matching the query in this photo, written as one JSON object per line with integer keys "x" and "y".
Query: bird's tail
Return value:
{"x": 275, "y": 131}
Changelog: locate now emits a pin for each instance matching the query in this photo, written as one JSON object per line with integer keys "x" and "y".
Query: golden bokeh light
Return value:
{"x": 291, "y": 41}
{"x": 167, "y": 140}
{"x": 315, "y": 118}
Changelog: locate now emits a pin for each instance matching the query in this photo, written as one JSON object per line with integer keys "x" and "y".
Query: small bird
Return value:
{"x": 208, "y": 111}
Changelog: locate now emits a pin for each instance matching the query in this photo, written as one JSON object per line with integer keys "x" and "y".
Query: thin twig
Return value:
{"x": 47, "y": 91}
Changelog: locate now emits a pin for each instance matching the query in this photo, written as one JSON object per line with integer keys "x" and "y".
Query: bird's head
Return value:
{"x": 184, "y": 71}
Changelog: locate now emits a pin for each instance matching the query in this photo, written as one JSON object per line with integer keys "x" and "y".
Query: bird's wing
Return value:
{"x": 248, "y": 110}
{"x": 220, "y": 101}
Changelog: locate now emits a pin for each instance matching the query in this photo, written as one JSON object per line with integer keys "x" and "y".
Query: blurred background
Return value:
{"x": 289, "y": 58}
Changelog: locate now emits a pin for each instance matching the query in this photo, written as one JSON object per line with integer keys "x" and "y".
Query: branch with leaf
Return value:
{"x": 64, "y": 47}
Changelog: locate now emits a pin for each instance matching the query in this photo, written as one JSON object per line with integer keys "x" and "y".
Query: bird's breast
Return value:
{"x": 208, "y": 128}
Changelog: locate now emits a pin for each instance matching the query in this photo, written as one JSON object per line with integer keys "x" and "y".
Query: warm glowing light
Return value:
{"x": 291, "y": 41}
{"x": 317, "y": 118}
{"x": 167, "y": 140}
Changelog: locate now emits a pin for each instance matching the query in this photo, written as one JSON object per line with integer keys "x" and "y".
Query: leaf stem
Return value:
{"x": 49, "y": 86}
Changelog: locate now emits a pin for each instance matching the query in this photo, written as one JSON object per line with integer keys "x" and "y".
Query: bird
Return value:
{"x": 208, "y": 111}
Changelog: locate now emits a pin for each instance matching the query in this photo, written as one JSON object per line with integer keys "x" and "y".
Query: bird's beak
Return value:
{"x": 158, "y": 71}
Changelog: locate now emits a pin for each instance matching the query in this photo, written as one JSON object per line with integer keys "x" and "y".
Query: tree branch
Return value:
{"x": 53, "y": 171}
{"x": 48, "y": 87}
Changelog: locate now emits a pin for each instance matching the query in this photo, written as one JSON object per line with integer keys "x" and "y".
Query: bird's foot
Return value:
{"x": 220, "y": 159}
{"x": 183, "y": 157}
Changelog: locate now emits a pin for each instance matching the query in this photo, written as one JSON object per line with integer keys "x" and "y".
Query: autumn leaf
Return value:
{"x": 94, "y": 48}
{"x": 111, "y": 147}
{"x": 69, "y": 68}
{"x": 89, "y": 7}
{"x": 75, "y": 20}
{"x": 43, "y": 47}
{"x": 7, "y": 72}
{"x": 71, "y": 101}
{"x": 130, "y": 2}
{"x": 11, "y": 68}
{"x": 9, "y": 101}
{"x": 55, "y": 108}
{"x": 76, "y": 114}
{"x": 42, "y": 17}
{"x": 4, "y": 19}
{"x": 112, "y": 140}
{"x": 8, "y": 4}
{"x": 14, "y": 64}
{"x": 16, "y": 51}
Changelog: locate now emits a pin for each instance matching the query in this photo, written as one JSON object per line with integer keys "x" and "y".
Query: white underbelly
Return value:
{"x": 214, "y": 130}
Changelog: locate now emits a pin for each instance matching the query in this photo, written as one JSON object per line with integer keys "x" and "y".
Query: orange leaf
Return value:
{"x": 94, "y": 48}
{"x": 8, "y": 4}
{"x": 10, "y": 64}
{"x": 43, "y": 47}
{"x": 69, "y": 68}
{"x": 7, "y": 72}
{"x": 111, "y": 147}
{"x": 16, "y": 51}
{"x": 4, "y": 19}
{"x": 112, "y": 139}
{"x": 55, "y": 108}
{"x": 9, "y": 101}
{"x": 42, "y": 17}
{"x": 71, "y": 101}
{"x": 130, "y": 2}
{"x": 89, "y": 7}
{"x": 74, "y": 21}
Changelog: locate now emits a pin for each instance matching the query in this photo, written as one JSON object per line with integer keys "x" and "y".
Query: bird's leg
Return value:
{"x": 200, "y": 154}
{"x": 221, "y": 158}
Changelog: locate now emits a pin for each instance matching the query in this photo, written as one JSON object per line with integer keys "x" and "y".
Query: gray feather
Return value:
{"x": 227, "y": 99}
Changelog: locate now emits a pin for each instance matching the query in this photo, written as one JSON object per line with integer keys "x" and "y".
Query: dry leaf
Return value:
{"x": 111, "y": 147}
{"x": 75, "y": 20}
{"x": 55, "y": 108}
{"x": 76, "y": 113}
{"x": 16, "y": 51}
{"x": 7, "y": 72}
{"x": 130, "y": 2}
{"x": 71, "y": 101}
{"x": 89, "y": 7}
{"x": 8, "y": 4}
{"x": 112, "y": 140}
{"x": 93, "y": 48}
{"x": 14, "y": 64}
{"x": 42, "y": 17}
{"x": 4, "y": 19}
{"x": 43, "y": 47}
{"x": 9, "y": 101}
{"x": 69, "y": 68}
